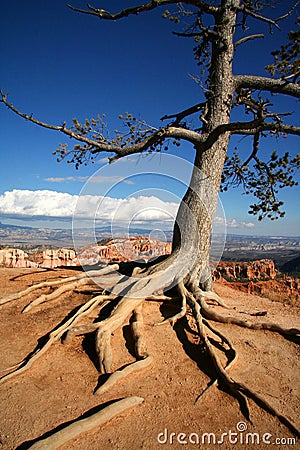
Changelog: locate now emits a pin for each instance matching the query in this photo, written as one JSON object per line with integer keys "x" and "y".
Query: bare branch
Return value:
{"x": 267, "y": 84}
{"x": 106, "y": 15}
{"x": 187, "y": 112}
{"x": 239, "y": 128}
{"x": 284, "y": 16}
{"x": 254, "y": 149}
{"x": 248, "y": 38}
{"x": 249, "y": 12}
{"x": 196, "y": 34}
{"x": 95, "y": 147}
{"x": 254, "y": 127}
{"x": 62, "y": 128}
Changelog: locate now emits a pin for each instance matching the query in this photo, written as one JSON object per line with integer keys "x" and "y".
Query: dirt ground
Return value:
{"x": 58, "y": 388}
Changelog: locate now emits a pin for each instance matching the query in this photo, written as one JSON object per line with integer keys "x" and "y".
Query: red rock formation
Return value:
{"x": 260, "y": 278}
{"x": 14, "y": 257}
{"x": 58, "y": 258}
{"x": 253, "y": 270}
{"x": 123, "y": 249}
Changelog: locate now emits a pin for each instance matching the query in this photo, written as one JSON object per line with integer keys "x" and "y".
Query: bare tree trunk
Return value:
{"x": 192, "y": 230}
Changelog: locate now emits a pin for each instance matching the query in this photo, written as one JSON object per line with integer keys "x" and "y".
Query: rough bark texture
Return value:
{"x": 198, "y": 207}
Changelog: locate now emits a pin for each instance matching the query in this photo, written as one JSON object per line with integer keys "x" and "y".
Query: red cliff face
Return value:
{"x": 248, "y": 271}
{"x": 123, "y": 249}
{"x": 260, "y": 278}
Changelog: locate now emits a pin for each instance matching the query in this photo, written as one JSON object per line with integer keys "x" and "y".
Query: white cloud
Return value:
{"x": 95, "y": 179}
{"x": 50, "y": 204}
{"x": 247, "y": 224}
{"x": 37, "y": 203}
{"x": 232, "y": 223}
{"x": 47, "y": 204}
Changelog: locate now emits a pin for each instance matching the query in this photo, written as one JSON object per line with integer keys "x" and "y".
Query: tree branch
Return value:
{"x": 284, "y": 16}
{"x": 239, "y": 128}
{"x": 187, "y": 112}
{"x": 249, "y": 12}
{"x": 254, "y": 127}
{"x": 254, "y": 149}
{"x": 106, "y": 15}
{"x": 156, "y": 137}
{"x": 248, "y": 38}
{"x": 267, "y": 84}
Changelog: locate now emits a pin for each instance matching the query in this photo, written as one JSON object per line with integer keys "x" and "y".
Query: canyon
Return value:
{"x": 260, "y": 277}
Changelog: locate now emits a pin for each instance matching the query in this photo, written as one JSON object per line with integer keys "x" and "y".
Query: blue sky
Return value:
{"x": 58, "y": 65}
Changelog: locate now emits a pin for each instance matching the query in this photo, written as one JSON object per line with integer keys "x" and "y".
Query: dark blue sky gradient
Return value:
{"x": 58, "y": 64}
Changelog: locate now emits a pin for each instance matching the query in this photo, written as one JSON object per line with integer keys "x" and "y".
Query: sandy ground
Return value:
{"x": 59, "y": 387}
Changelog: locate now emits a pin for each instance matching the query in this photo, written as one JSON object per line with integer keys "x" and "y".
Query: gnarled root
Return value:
{"x": 216, "y": 317}
{"x": 144, "y": 359}
{"x": 87, "y": 276}
{"x": 223, "y": 377}
{"x": 182, "y": 295}
{"x": 54, "y": 336}
{"x": 236, "y": 388}
{"x": 132, "y": 292}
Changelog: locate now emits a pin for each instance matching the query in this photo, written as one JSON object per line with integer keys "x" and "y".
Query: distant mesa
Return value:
{"x": 263, "y": 269}
{"x": 260, "y": 278}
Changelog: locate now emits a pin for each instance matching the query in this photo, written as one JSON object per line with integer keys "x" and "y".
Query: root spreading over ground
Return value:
{"x": 124, "y": 297}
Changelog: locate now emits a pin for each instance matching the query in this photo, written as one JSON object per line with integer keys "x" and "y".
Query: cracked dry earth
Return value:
{"x": 58, "y": 388}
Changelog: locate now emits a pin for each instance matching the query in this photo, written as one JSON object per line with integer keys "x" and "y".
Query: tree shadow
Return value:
{"x": 198, "y": 353}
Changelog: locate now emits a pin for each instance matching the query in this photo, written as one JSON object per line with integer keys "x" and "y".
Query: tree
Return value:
{"x": 213, "y": 26}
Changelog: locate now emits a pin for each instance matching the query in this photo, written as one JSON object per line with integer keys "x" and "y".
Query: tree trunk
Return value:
{"x": 193, "y": 226}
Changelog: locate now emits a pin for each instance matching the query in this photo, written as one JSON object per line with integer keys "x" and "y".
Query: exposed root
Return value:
{"x": 81, "y": 330}
{"x": 80, "y": 426}
{"x": 144, "y": 284}
{"x": 57, "y": 293}
{"x": 136, "y": 366}
{"x": 108, "y": 326}
{"x": 237, "y": 389}
{"x": 182, "y": 294}
{"x": 223, "y": 377}
{"x": 54, "y": 336}
{"x": 228, "y": 365}
{"x": 44, "y": 284}
{"x": 213, "y": 296}
{"x": 139, "y": 290}
{"x": 137, "y": 325}
{"x": 216, "y": 317}
{"x": 144, "y": 359}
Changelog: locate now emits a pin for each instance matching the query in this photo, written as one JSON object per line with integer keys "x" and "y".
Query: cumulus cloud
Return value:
{"x": 41, "y": 203}
{"x": 247, "y": 224}
{"x": 95, "y": 179}
{"x": 52, "y": 204}
{"x": 232, "y": 223}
